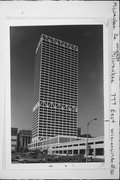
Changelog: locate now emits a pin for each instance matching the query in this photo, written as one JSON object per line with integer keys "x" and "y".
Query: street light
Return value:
{"x": 87, "y": 137}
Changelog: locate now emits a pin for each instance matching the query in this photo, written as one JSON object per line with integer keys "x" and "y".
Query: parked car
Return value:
{"x": 48, "y": 158}
{"x": 15, "y": 158}
{"x": 74, "y": 158}
{"x": 22, "y": 158}
{"x": 89, "y": 159}
{"x": 30, "y": 158}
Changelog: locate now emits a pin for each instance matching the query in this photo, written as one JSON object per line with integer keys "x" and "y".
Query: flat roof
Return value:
{"x": 57, "y": 42}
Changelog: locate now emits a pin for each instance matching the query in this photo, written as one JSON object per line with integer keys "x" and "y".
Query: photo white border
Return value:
{"x": 12, "y": 23}
{"x": 56, "y": 170}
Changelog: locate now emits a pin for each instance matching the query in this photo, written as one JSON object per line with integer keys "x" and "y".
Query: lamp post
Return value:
{"x": 87, "y": 137}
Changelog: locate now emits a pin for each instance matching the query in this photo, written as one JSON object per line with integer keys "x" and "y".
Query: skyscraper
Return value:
{"x": 55, "y": 89}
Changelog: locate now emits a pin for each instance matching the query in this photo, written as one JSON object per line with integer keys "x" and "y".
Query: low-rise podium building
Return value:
{"x": 67, "y": 145}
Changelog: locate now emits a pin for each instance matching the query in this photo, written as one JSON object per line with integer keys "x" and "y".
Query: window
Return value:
{"x": 14, "y": 137}
{"x": 75, "y": 151}
{"x": 60, "y": 152}
{"x": 69, "y": 151}
{"x": 64, "y": 146}
{"x": 99, "y": 142}
{"x": 65, "y": 152}
{"x": 13, "y": 148}
{"x": 90, "y": 143}
{"x": 99, "y": 151}
{"x": 90, "y": 151}
{"x": 82, "y": 144}
{"x": 14, "y": 142}
{"x": 75, "y": 144}
{"x": 82, "y": 151}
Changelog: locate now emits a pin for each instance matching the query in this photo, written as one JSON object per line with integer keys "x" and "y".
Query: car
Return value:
{"x": 22, "y": 157}
{"x": 15, "y": 158}
{"x": 88, "y": 159}
{"x": 22, "y": 160}
{"x": 67, "y": 158}
{"x": 30, "y": 158}
{"x": 48, "y": 158}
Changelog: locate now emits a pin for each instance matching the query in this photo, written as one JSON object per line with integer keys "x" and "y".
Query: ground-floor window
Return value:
{"x": 90, "y": 151}
{"x": 99, "y": 151}
{"x": 65, "y": 152}
{"x": 60, "y": 152}
{"x": 75, "y": 151}
{"x": 82, "y": 151}
{"x": 69, "y": 151}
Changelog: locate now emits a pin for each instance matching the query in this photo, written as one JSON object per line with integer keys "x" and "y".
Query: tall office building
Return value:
{"x": 55, "y": 89}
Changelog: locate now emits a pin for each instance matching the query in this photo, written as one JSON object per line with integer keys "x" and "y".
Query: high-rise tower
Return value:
{"x": 55, "y": 89}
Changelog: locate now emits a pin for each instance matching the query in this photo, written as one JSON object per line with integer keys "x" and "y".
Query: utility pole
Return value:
{"x": 87, "y": 150}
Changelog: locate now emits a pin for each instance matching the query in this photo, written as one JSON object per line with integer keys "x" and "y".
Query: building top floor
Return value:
{"x": 57, "y": 42}
{"x": 25, "y": 133}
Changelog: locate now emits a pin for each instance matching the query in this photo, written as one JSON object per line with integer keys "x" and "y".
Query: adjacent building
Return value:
{"x": 14, "y": 139}
{"x": 69, "y": 145}
{"x": 24, "y": 138}
{"x": 55, "y": 103}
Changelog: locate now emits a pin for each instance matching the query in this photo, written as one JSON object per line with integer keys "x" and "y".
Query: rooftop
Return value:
{"x": 57, "y": 42}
